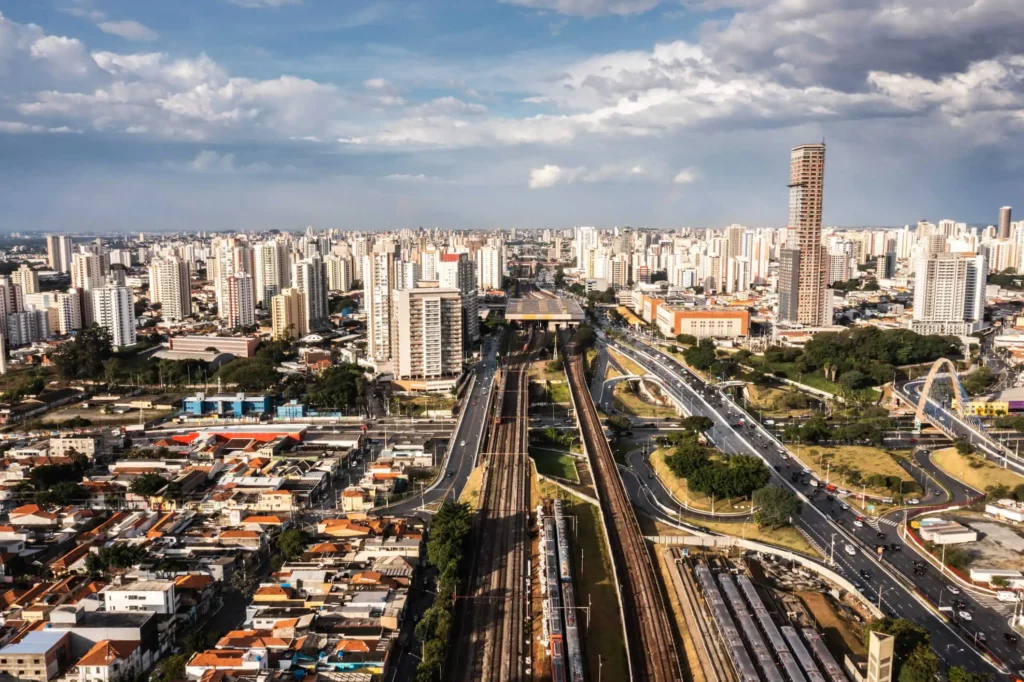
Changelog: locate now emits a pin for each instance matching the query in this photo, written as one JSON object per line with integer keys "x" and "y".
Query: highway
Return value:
{"x": 465, "y": 442}
{"x": 825, "y": 520}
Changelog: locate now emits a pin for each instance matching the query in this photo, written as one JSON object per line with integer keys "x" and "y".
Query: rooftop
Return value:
{"x": 553, "y": 309}
{"x": 35, "y": 642}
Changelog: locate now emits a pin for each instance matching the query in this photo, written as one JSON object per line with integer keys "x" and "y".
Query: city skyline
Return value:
{"x": 526, "y": 113}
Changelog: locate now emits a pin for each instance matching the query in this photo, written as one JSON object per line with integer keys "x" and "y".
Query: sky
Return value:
{"x": 166, "y": 115}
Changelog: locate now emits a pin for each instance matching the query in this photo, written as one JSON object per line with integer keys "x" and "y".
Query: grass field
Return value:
{"x": 610, "y": 372}
{"x": 815, "y": 379}
{"x": 624, "y": 400}
{"x": 557, "y": 392}
{"x": 786, "y": 538}
{"x": 539, "y": 372}
{"x": 770, "y": 401}
{"x": 974, "y": 471}
{"x": 471, "y": 493}
{"x": 554, "y": 463}
{"x": 868, "y": 460}
{"x": 595, "y": 585}
{"x": 677, "y": 486}
{"x": 627, "y": 364}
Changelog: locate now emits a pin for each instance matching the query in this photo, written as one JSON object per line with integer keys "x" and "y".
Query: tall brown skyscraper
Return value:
{"x": 1004, "y": 223}
{"x": 806, "y": 187}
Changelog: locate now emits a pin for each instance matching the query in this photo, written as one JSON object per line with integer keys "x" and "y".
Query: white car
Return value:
{"x": 953, "y": 589}
{"x": 859, "y": 524}
{"x": 462, "y": 444}
{"x": 850, "y": 549}
{"x": 913, "y": 500}
{"x": 806, "y": 472}
{"x": 964, "y": 615}
{"x": 844, "y": 506}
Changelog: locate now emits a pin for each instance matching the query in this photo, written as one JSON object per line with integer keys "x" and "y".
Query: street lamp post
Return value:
{"x": 832, "y": 551}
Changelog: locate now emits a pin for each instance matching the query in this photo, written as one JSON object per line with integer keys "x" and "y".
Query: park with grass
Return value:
{"x": 861, "y": 468}
{"x": 974, "y": 470}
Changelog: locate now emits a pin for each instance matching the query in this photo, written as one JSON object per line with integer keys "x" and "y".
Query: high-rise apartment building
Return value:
{"x": 27, "y": 278}
{"x": 310, "y": 277}
{"x": 169, "y": 286}
{"x": 378, "y": 275}
{"x": 27, "y": 327}
{"x": 949, "y": 294}
{"x": 58, "y": 252}
{"x": 87, "y": 271}
{"x": 490, "y": 267}
{"x": 1004, "y": 222}
{"x": 455, "y": 271}
{"x": 339, "y": 273}
{"x": 288, "y": 314}
{"x": 270, "y": 261}
{"x": 806, "y": 191}
{"x": 789, "y": 283}
{"x": 838, "y": 266}
{"x": 239, "y": 304}
{"x": 113, "y": 310}
{"x": 69, "y": 312}
{"x": 427, "y": 333}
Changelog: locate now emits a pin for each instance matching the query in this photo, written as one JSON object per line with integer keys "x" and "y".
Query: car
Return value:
{"x": 964, "y": 615}
{"x": 450, "y": 473}
{"x": 979, "y": 636}
{"x": 880, "y": 535}
{"x": 913, "y": 500}
{"x": 805, "y": 471}
{"x": 1010, "y": 637}
{"x": 850, "y": 549}
{"x": 895, "y": 547}
{"x": 960, "y": 604}
{"x": 858, "y": 523}
{"x": 846, "y": 507}
{"x": 462, "y": 444}
{"x": 859, "y": 587}
{"x": 919, "y": 570}
{"x": 864, "y": 574}
{"x": 953, "y": 589}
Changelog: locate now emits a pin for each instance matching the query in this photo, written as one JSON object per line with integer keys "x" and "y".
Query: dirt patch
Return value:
{"x": 998, "y": 546}
{"x": 471, "y": 493}
{"x": 840, "y": 635}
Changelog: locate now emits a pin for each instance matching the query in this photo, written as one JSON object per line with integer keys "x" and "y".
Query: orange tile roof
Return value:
{"x": 264, "y": 519}
{"x": 273, "y": 591}
{"x": 352, "y": 646}
{"x": 31, "y": 510}
{"x": 107, "y": 651}
{"x": 193, "y": 581}
{"x": 240, "y": 534}
{"x": 218, "y": 658}
{"x": 248, "y": 639}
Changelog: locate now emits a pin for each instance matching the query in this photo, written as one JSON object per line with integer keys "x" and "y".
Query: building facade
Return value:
{"x": 806, "y": 192}
{"x": 113, "y": 310}
{"x": 427, "y": 333}
{"x": 169, "y": 286}
{"x": 288, "y": 314}
{"x": 949, "y": 294}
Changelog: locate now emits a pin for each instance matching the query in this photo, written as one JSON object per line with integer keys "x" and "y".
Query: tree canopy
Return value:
{"x": 775, "y": 506}
{"x": 292, "y": 543}
{"x": 702, "y": 355}
{"x": 339, "y": 387}
{"x": 83, "y": 356}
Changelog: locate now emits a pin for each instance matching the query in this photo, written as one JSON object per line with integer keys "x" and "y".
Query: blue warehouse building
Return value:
{"x": 228, "y": 405}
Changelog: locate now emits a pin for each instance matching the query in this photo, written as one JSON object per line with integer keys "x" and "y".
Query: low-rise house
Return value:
{"x": 40, "y": 655}
{"x": 225, "y": 659}
{"x": 158, "y": 596}
{"x": 110, "y": 660}
{"x": 67, "y": 446}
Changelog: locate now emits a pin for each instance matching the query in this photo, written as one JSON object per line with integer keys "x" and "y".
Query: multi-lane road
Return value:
{"x": 890, "y": 581}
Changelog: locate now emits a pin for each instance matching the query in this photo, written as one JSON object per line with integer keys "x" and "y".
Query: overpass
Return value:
{"x": 951, "y": 417}
{"x": 666, "y": 389}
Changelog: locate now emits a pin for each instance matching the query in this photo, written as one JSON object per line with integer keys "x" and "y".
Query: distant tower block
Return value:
{"x": 3, "y": 355}
{"x": 880, "y": 655}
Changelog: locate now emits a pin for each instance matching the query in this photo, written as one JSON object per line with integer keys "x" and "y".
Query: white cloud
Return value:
{"x": 686, "y": 176}
{"x": 208, "y": 161}
{"x": 550, "y": 175}
{"x": 129, "y": 30}
{"x": 588, "y": 8}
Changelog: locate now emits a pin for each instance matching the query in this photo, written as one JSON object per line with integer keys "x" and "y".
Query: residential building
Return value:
{"x": 27, "y": 278}
{"x": 455, "y": 271}
{"x": 169, "y": 286}
{"x": 58, "y": 252}
{"x": 68, "y": 312}
{"x": 239, "y": 306}
{"x": 38, "y": 656}
{"x": 1004, "y": 222}
{"x": 87, "y": 271}
{"x": 288, "y": 314}
{"x": 28, "y": 327}
{"x": 67, "y": 446}
{"x": 239, "y": 346}
{"x": 310, "y": 277}
{"x": 806, "y": 190}
{"x": 110, "y": 660}
{"x": 427, "y": 333}
{"x": 949, "y": 294}
{"x": 157, "y": 596}
{"x": 272, "y": 271}
{"x": 113, "y": 310}
{"x": 490, "y": 267}
{"x": 378, "y": 275}
{"x": 789, "y": 284}
{"x": 339, "y": 273}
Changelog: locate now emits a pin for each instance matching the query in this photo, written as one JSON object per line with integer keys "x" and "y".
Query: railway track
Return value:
{"x": 491, "y": 638}
{"x": 650, "y": 641}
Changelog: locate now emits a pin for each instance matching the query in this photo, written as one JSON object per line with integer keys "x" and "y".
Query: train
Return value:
{"x": 741, "y": 661}
{"x": 762, "y": 654}
{"x": 573, "y": 647}
{"x": 553, "y": 602}
{"x": 776, "y": 642}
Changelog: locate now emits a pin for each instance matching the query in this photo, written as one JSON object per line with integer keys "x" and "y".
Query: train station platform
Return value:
{"x": 557, "y": 312}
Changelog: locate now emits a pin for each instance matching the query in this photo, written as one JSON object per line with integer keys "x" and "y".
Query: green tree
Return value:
{"x": 957, "y": 674}
{"x": 775, "y": 506}
{"x": 584, "y": 337}
{"x": 921, "y": 666}
{"x": 909, "y": 635}
{"x": 63, "y": 493}
{"x": 687, "y": 339}
{"x": 619, "y": 425}
{"x": 339, "y": 387}
{"x": 701, "y": 356}
{"x": 697, "y": 423}
{"x": 83, "y": 357}
{"x": 292, "y": 543}
{"x": 964, "y": 446}
{"x": 147, "y": 484}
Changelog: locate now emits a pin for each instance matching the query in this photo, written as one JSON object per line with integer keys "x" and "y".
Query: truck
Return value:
{"x": 1007, "y": 595}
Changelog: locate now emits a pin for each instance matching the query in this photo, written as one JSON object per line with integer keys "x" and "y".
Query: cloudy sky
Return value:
{"x": 254, "y": 114}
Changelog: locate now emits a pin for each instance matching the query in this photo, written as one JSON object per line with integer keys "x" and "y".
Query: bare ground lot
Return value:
{"x": 96, "y": 416}
{"x": 998, "y": 546}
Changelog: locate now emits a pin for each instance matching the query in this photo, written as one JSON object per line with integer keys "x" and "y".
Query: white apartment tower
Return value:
{"x": 239, "y": 304}
{"x": 427, "y": 333}
{"x": 169, "y": 286}
{"x": 949, "y": 294}
{"x": 113, "y": 310}
{"x": 455, "y": 271}
{"x": 27, "y": 278}
{"x": 270, "y": 261}
{"x": 490, "y": 267}
{"x": 339, "y": 273}
{"x": 310, "y": 277}
{"x": 378, "y": 274}
{"x": 58, "y": 252}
